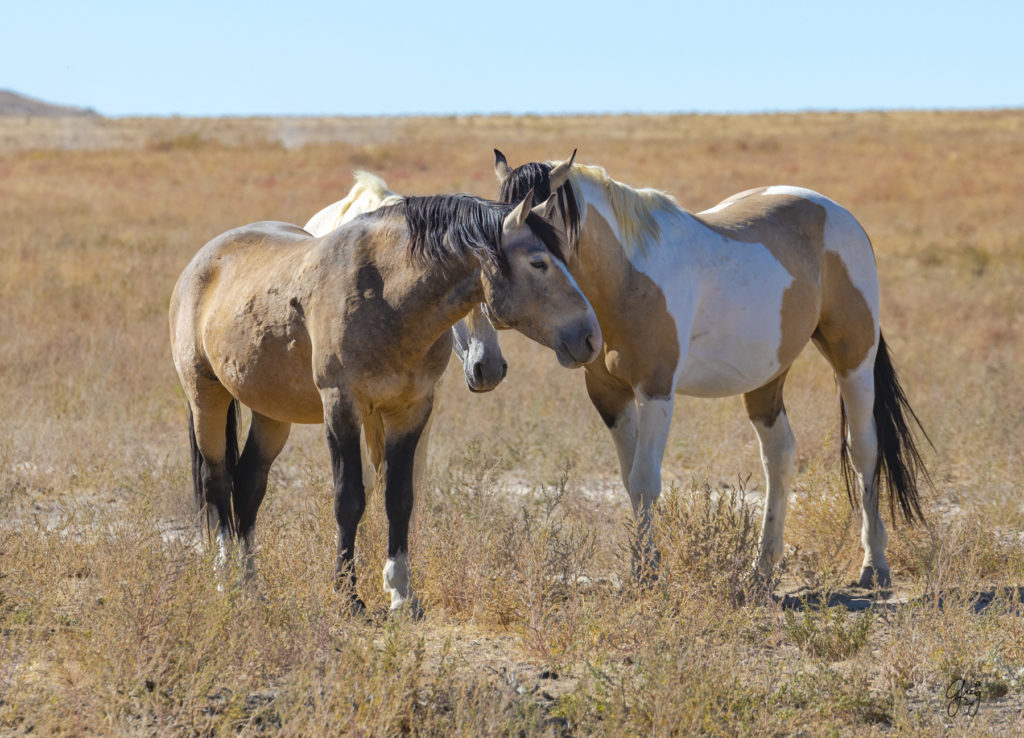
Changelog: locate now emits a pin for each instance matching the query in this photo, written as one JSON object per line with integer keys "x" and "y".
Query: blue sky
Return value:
{"x": 441, "y": 56}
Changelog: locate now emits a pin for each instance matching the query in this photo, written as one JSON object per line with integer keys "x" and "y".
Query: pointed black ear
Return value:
{"x": 501, "y": 167}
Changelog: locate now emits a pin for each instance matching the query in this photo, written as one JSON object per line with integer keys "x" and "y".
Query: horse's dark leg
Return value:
{"x": 266, "y": 439}
{"x": 398, "y": 495}
{"x": 214, "y": 449}
{"x": 349, "y": 495}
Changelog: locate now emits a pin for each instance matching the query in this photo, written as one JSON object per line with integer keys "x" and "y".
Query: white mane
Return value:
{"x": 634, "y": 208}
{"x": 368, "y": 193}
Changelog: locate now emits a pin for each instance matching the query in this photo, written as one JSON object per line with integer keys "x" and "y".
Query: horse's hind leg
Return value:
{"x": 857, "y": 389}
{"x": 266, "y": 439}
{"x": 342, "y": 425}
{"x": 214, "y": 451}
{"x": 767, "y": 415}
{"x": 858, "y": 392}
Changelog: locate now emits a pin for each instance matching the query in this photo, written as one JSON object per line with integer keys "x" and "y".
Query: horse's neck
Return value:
{"x": 599, "y": 256}
{"x": 615, "y": 277}
{"x": 596, "y": 262}
{"x": 439, "y": 295}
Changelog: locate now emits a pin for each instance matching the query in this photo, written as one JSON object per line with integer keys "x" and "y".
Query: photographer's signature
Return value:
{"x": 964, "y": 697}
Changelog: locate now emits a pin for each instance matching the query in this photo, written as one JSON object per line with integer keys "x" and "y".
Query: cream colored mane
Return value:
{"x": 634, "y": 208}
{"x": 368, "y": 193}
{"x": 373, "y": 185}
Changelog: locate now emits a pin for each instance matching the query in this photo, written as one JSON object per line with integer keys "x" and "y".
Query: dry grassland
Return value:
{"x": 112, "y": 623}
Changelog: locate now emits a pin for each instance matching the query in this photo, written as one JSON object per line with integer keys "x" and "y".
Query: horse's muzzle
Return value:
{"x": 579, "y": 344}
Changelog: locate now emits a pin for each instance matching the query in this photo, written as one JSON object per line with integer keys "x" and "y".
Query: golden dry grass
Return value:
{"x": 110, "y": 619}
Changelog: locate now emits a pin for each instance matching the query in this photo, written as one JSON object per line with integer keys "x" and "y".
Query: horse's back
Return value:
{"x": 237, "y": 254}
{"x": 236, "y": 317}
{"x": 777, "y": 264}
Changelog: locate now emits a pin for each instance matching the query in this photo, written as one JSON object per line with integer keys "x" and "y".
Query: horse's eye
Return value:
{"x": 539, "y": 264}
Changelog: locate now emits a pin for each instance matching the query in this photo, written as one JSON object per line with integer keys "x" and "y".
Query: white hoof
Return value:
{"x": 396, "y": 581}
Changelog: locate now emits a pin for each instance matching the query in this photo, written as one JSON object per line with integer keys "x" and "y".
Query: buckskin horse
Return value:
{"x": 353, "y": 329}
{"x": 474, "y": 339}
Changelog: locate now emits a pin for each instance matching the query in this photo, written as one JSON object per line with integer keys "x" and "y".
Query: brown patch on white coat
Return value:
{"x": 822, "y": 298}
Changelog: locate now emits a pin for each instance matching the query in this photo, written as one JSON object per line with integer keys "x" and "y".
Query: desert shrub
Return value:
{"x": 828, "y": 633}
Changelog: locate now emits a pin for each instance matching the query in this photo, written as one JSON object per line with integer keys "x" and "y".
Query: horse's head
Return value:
{"x": 545, "y": 180}
{"x": 535, "y": 294}
{"x": 476, "y": 343}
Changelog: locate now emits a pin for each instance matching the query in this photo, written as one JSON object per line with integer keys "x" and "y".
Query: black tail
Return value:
{"x": 898, "y": 458}
{"x": 230, "y": 457}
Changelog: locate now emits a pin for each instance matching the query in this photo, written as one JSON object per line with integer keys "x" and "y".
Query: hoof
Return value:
{"x": 646, "y": 567}
{"x": 874, "y": 578}
{"x": 409, "y": 608}
{"x": 356, "y": 607}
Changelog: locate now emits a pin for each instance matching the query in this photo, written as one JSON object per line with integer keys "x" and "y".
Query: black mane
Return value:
{"x": 537, "y": 176}
{"x": 444, "y": 228}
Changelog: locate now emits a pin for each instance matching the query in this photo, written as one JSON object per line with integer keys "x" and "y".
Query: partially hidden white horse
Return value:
{"x": 720, "y": 303}
{"x": 475, "y": 340}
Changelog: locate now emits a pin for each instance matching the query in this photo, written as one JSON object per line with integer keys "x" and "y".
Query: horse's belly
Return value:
{"x": 730, "y": 359}
{"x": 273, "y": 376}
{"x": 287, "y": 401}
{"x": 724, "y": 375}
{"x": 745, "y": 333}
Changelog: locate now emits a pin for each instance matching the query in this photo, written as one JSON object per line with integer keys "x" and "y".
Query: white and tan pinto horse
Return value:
{"x": 353, "y": 329}
{"x": 721, "y": 303}
{"x": 474, "y": 339}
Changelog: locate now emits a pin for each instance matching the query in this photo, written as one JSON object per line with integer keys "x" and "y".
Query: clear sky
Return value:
{"x": 298, "y": 57}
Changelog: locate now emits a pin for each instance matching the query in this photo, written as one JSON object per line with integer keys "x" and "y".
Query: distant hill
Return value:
{"x": 11, "y": 103}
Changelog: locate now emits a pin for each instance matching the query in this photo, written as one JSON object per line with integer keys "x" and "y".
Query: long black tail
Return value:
{"x": 230, "y": 458}
{"x": 899, "y": 461}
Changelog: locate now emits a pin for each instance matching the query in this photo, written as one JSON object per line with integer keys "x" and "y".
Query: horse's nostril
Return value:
{"x": 504, "y": 369}
{"x": 590, "y": 343}
{"x": 478, "y": 373}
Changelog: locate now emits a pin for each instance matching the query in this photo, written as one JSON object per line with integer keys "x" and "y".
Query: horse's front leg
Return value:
{"x": 616, "y": 403}
{"x": 342, "y": 425}
{"x": 654, "y": 420}
{"x": 403, "y": 438}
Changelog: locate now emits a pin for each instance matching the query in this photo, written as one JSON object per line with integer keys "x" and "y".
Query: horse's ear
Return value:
{"x": 545, "y": 208}
{"x": 517, "y": 218}
{"x": 501, "y": 167}
{"x": 560, "y": 174}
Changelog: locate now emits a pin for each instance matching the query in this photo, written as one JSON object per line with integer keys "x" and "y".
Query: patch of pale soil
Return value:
{"x": 499, "y": 657}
